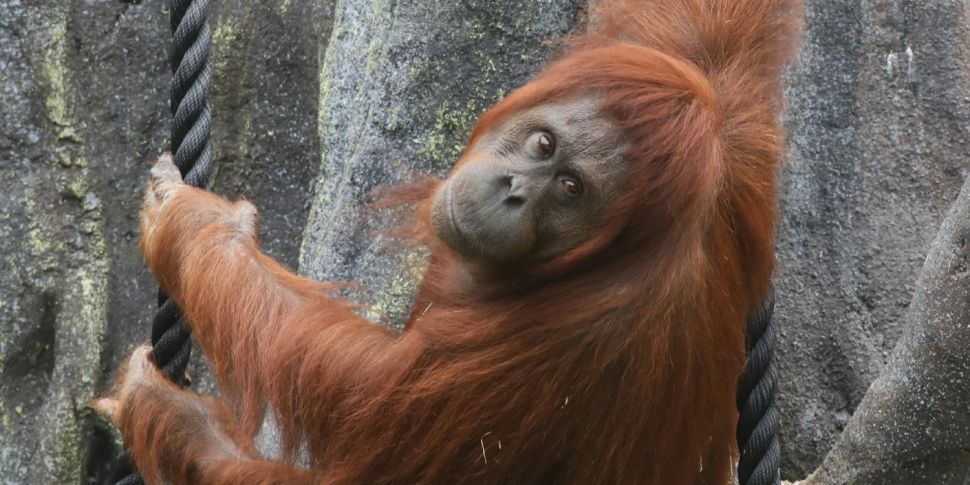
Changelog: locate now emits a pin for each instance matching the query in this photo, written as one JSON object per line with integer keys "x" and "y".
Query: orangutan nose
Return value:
{"x": 516, "y": 190}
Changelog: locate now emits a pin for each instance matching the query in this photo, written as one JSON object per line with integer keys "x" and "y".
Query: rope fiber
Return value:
{"x": 192, "y": 150}
{"x": 759, "y": 417}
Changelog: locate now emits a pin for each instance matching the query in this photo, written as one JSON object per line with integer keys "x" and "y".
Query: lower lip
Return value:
{"x": 454, "y": 221}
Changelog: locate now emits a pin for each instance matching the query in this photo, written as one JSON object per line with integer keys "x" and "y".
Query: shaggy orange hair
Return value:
{"x": 613, "y": 363}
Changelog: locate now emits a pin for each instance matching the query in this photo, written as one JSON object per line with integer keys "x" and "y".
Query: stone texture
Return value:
{"x": 317, "y": 103}
{"x": 877, "y": 116}
{"x": 912, "y": 427}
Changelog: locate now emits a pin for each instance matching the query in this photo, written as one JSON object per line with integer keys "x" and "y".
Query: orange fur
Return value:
{"x": 613, "y": 363}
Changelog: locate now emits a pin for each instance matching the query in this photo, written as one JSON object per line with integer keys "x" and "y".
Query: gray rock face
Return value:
{"x": 877, "y": 118}
{"x": 913, "y": 426}
{"x": 317, "y": 103}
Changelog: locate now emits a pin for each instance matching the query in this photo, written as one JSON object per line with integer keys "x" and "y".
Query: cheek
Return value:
{"x": 561, "y": 231}
{"x": 564, "y": 227}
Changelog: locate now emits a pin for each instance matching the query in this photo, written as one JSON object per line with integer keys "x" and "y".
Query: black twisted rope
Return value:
{"x": 191, "y": 127}
{"x": 759, "y": 417}
{"x": 192, "y": 150}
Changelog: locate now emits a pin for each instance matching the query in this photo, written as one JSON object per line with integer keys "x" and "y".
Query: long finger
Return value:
{"x": 107, "y": 407}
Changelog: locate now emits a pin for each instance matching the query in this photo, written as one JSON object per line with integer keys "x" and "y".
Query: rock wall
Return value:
{"x": 319, "y": 102}
{"x": 877, "y": 119}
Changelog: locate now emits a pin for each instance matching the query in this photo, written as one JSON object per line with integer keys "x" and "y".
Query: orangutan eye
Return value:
{"x": 542, "y": 144}
{"x": 571, "y": 186}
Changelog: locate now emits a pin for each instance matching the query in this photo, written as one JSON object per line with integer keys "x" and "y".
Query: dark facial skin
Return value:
{"x": 534, "y": 186}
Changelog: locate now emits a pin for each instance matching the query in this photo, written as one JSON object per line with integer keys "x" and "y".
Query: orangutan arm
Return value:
{"x": 175, "y": 436}
{"x": 263, "y": 328}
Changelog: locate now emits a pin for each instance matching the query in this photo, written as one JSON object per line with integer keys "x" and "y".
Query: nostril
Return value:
{"x": 513, "y": 190}
{"x": 513, "y": 200}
